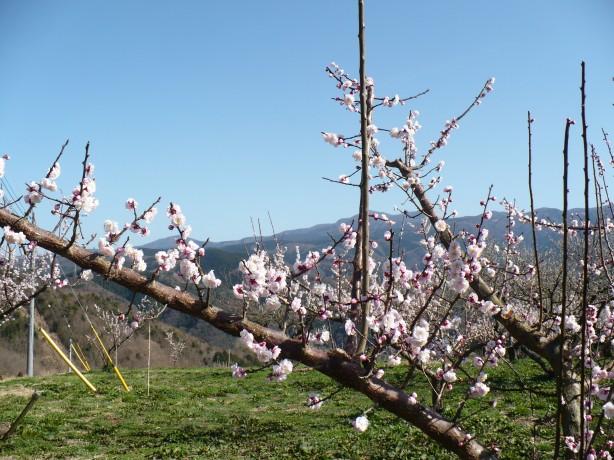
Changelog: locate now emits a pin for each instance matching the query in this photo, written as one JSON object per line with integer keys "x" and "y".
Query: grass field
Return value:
{"x": 207, "y": 414}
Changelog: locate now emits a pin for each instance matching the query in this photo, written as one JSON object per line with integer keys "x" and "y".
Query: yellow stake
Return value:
{"x": 77, "y": 354}
{"x": 63, "y": 356}
{"x": 110, "y": 360}
{"x": 87, "y": 365}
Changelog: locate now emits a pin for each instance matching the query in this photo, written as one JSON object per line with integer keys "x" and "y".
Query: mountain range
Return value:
{"x": 321, "y": 235}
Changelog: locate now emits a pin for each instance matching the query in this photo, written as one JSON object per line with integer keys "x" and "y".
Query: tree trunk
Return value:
{"x": 571, "y": 407}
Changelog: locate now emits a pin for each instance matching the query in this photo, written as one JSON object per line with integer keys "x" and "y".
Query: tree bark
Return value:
{"x": 571, "y": 408}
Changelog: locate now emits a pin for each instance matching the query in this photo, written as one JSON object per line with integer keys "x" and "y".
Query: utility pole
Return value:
{"x": 31, "y": 341}
{"x": 31, "y": 323}
{"x": 70, "y": 353}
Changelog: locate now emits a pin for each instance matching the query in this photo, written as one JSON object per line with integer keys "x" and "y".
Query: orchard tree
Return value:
{"x": 119, "y": 326}
{"x": 451, "y": 316}
{"x": 25, "y": 271}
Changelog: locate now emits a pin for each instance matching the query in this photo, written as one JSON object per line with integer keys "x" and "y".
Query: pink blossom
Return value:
{"x": 49, "y": 184}
{"x": 210, "y": 281}
{"x": 118, "y": 262}
{"x": 282, "y": 370}
{"x": 59, "y": 284}
{"x": 360, "y": 424}
{"x": 296, "y": 304}
{"x": 105, "y": 248}
{"x": 238, "y": 291}
{"x": 571, "y": 444}
{"x": 331, "y": 138}
{"x": 178, "y": 220}
{"x": 349, "y": 100}
{"x": 111, "y": 226}
{"x": 188, "y": 269}
{"x": 33, "y": 196}
{"x": 320, "y": 337}
{"x": 314, "y": 402}
{"x": 237, "y": 371}
{"x": 450, "y": 376}
{"x": 131, "y": 203}
{"x": 173, "y": 209}
{"x": 54, "y": 172}
{"x": 479, "y": 389}
{"x": 150, "y": 215}
{"x": 14, "y": 237}
{"x": 441, "y": 226}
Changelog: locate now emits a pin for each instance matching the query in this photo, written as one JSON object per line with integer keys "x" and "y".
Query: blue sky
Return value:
{"x": 218, "y": 106}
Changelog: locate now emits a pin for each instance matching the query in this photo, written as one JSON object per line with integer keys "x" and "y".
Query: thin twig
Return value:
{"x": 535, "y": 252}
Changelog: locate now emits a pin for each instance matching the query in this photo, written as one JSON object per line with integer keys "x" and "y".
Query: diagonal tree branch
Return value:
{"x": 336, "y": 364}
{"x": 520, "y": 330}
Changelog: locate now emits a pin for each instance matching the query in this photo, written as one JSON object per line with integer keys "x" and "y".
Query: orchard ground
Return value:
{"x": 206, "y": 414}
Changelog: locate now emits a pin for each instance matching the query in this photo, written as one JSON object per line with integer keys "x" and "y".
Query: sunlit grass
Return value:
{"x": 205, "y": 413}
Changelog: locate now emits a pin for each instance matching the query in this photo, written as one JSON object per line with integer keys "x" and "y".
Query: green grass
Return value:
{"x": 206, "y": 414}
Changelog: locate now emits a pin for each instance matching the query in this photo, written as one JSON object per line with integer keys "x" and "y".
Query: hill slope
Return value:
{"x": 59, "y": 314}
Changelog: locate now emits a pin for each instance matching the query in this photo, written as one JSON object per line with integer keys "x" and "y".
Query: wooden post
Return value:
{"x": 17, "y": 421}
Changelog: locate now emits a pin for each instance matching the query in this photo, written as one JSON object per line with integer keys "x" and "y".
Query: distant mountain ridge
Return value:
{"x": 319, "y": 236}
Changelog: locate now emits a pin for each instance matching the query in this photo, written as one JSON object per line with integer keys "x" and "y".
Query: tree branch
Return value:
{"x": 335, "y": 364}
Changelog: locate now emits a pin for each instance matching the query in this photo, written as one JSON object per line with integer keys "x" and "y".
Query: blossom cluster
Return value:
{"x": 83, "y": 195}
{"x": 107, "y": 243}
{"x": 186, "y": 253}
{"x": 406, "y": 135}
{"x": 22, "y": 277}
{"x": 261, "y": 279}
{"x": 280, "y": 370}
{"x": 13, "y": 237}
{"x": 264, "y": 354}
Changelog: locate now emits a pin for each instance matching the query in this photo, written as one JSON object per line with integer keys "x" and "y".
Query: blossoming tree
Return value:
{"x": 25, "y": 272}
{"x": 454, "y": 313}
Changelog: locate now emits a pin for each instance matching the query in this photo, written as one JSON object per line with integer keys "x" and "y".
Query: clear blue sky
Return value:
{"x": 219, "y": 106}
